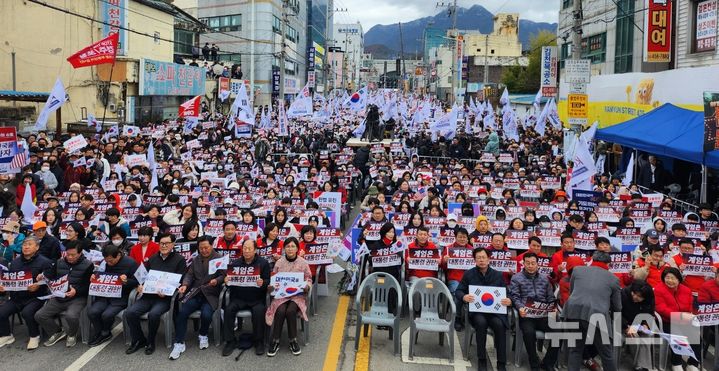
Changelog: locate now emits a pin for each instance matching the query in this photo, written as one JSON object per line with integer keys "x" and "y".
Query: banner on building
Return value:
{"x": 549, "y": 71}
{"x": 706, "y": 26}
{"x": 165, "y": 78}
{"x": 113, "y": 14}
{"x": 657, "y": 31}
{"x": 711, "y": 116}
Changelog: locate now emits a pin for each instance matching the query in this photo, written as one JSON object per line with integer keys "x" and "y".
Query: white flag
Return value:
{"x": 302, "y": 105}
{"x": 56, "y": 99}
{"x": 583, "y": 163}
{"x": 217, "y": 264}
{"x": 537, "y": 100}
{"x": 241, "y": 108}
{"x": 629, "y": 174}
{"x": 93, "y": 123}
{"x": 358, "y": 100}
{"x": 153, "y": 166}
{"x": 28, "y": 206}
{"x": 504, "y": 100}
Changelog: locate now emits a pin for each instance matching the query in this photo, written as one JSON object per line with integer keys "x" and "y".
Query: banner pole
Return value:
{"x": 107, "y": 93}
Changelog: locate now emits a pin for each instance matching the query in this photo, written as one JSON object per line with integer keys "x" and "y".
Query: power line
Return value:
{"x": 154, "y": 37}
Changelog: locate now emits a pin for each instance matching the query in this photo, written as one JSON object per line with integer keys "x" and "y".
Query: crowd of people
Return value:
{"x": 488, "y": 208}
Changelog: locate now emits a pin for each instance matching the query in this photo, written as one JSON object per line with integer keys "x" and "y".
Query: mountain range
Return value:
{"x": 384, "y": 42}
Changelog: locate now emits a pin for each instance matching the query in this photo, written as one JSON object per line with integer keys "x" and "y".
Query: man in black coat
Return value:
{"x": 25, "y": 302}
{"x": 49, "y": 245}
{"x": 78, "y": 270}
{"x": 155, "y": 305}
{"x": 118, "y": 267}
{"x": 484, "y": 275}
{"x": 651, "y": 174}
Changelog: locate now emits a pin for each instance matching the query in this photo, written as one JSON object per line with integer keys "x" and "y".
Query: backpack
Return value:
{"x": 244, "y": 342}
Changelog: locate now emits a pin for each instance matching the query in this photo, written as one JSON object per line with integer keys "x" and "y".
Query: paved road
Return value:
{"x": 331, "y": 347}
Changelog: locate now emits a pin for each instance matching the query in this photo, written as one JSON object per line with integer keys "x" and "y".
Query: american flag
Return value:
{"x": 21, "y": 157}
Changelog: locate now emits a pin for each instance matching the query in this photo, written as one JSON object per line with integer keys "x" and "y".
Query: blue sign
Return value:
{"x": 114, "y": 15}
{"x": 586, "y": 200}
{"x": 165, "y": 78}
{"x": 311, "y": 58}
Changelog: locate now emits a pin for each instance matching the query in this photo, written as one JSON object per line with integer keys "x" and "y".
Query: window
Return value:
{"x": 594, "y": 48}
{"x": 492, "y": 51}
{"x": 225, "y": 23}
{"x": 625, "y": 36}
{"x": 292, "y": 34}
{"x": 276, "y": 25}
{"x": 564, "y": 53}
{"x": 184, "y": 40}
{"x": 567, "y": 3}
{"x": 232, "y": 57}
{"x": 704, "y": 30}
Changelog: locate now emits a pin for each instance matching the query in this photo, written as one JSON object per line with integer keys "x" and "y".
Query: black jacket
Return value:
{"x": 630, "y": 309}
{"x": 251, "y": 294}
{"x": 476, "y": 278}
{"x": 36, "y": 265}
{"x": 174, "y": 263}
{"x": 78, "y": 275}
{"x": 126, "y": 266}
{"x": 50, "y": 247}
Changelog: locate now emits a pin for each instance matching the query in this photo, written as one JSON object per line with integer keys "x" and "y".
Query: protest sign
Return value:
{"x": 487, "y": 299}
{"x": 106, "y": 285}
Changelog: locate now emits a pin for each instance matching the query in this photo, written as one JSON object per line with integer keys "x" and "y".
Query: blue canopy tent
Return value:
{"x": 668, "y": 131}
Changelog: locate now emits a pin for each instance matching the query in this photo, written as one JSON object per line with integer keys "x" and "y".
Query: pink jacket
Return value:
{"x": 283, "y": 265}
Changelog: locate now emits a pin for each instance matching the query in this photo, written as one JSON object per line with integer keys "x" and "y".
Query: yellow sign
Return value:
{"x": 577, "y": 105}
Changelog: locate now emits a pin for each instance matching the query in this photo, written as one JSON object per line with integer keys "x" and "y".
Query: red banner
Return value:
{"x": 101, "y": 52}
{"x": 191, "y": 108}
{"x": 657, "y": 31}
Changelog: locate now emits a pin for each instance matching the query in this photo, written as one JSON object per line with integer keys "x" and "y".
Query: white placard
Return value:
{"x": 288, "y": 284}
{"x": 75, "y": 143}
{"x": 159, "y": 282}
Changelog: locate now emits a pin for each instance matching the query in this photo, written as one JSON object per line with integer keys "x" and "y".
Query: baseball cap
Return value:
{"x": 39, "y": 225}
{"x": 452, "y": 217}
{"x": 652, "y": 233}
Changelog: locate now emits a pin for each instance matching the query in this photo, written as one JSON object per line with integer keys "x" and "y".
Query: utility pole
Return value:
{"x": 401, "y": 55}
{"x": 282, "y": 53}
{"x": 344, "y": 50}
{"x": 486, "y": 59}
{"x": 577, "y": 30}
{"x": 453, "y": 35}
{"x": 252, "y": 55}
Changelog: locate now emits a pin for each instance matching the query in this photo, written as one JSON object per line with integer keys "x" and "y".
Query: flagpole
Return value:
{"x": 109, "y": 84}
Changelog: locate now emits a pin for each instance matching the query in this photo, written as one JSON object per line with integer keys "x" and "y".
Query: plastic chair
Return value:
{"x": 519, "y": 350}
{"x": 469, "y": 332}
{"x": 219, "y": 315}
{"x": 378, "y": 285}
{"x": 167, "y": 319}
{"x": 120, "y": 315}
{"x": 431, "y": 290}
{"x": 664, "y": 347}
{"x": 216, "y": 320}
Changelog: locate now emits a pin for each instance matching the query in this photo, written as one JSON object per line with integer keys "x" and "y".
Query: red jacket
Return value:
{"x": 693, "y": 282}
{"x": 20, "y": 193}
{"x": 709, "y": 292}
{"x": 654, "y": 278}
{"x": 136, "y": 251}
{"x": 419, "y": 273}
{"x": 303, "y": 248}
{"x": 669, "y": 301}
{"x": 564, "y": 286}
{"x": 454, "y": 274}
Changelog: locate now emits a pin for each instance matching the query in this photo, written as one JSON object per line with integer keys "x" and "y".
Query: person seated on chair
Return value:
{"x": 384, "y": 259}
{"x": 200, "y": 290}
{"x": 103, "y": 310}
{"x": 460, "y": 247}
{"x": 483, "y": 275}
{"x": 422, "y": 242}
{"x": 78, "y": 270}
{"x": 249, "y": 295}
{"x": 25, "y": 302}
{"x": 155, "y": 305}
{"x": 286, "y": 308}
{"x": 531, "y": 286}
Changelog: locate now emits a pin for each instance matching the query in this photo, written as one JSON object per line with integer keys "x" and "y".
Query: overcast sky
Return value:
{"x": 372, "y": 12}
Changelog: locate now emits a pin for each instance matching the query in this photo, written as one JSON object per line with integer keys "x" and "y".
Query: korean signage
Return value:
{"x": 577, "y": 71}
{"x": 549, "y": 71}
{"x": 275, "y": 82}
{"x": 311, "y": 79}
{"x": 8, "y": 148}
{"x": 706, "y": 23}
{"x": 114, "y": 15}
{"x": 165, "y": 78}
{"x": 311, "y": 58}
{"x": 460, "y": 51}
{"x": 578, "y": 108}
{"x": 657, "y": 30}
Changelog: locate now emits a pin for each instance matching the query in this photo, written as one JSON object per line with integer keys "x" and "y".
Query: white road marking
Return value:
{"x": 86, "y": 357}
{"x": 459, "y": 363}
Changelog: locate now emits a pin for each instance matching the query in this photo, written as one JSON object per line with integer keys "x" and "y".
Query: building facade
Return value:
{"x": 350, "y": 38}
{"x": 231, "y": 28}
{"x": 40, "y": 61}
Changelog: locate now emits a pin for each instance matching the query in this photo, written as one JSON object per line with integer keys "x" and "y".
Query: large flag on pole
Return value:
{"x": 629, "y": 174}
{"x": 101, "y": 52}
{"x": 241, "y": 109}
{"x": 56, "y": 99}
{"x": 358, "y": 100}
{"x": 302, "y": 105}
{"x": 191, "y": 108}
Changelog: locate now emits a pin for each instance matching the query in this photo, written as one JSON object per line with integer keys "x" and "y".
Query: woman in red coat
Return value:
{"x": 22, "y": 187}
{"x": 674, "y": 303}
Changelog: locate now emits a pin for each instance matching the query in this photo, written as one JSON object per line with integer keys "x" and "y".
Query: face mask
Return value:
{"x": 546, "y": 225}
{"x": 482, "y": 197}
{"x": 45, "y": 168}
{"x": 451, "y": 224}
{"x": 117, "y": 242}
{"x": 175, "y": 191}
{"x": 6, "y": 236}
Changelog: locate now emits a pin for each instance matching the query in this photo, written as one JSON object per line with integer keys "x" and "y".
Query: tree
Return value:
{"x": 519, "y": 79}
